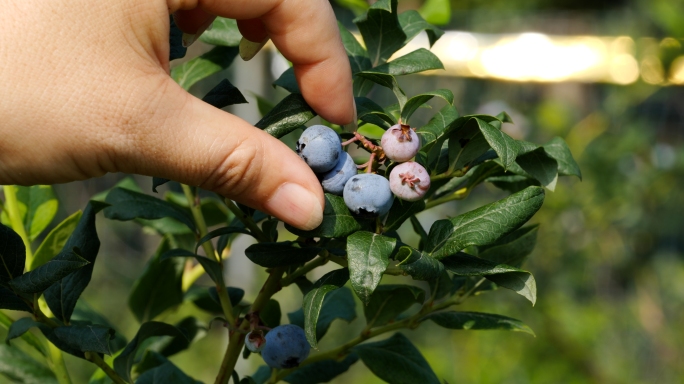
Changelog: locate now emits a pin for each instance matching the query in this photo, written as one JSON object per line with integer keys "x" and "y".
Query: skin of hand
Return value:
{"x": 86, "y": 91}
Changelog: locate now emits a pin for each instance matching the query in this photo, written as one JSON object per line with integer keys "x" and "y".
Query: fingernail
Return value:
{"x": 249, "y": 49}
{"x": 189, "y": 38}
{"x": 353, "y": 126}
{"x": 296, "y": 206}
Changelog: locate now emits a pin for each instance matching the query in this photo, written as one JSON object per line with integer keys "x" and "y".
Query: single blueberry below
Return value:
{"x": 319, "y": 146}
{"x": 409, "y": 181}
{"x": 368, "y": 195}
{"x": 334, "y": 180}
{"x": 400, "y": 143}
{"x": 286, "y": 347}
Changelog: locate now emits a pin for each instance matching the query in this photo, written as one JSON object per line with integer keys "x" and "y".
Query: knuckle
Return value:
{"x": 239, "y": 170}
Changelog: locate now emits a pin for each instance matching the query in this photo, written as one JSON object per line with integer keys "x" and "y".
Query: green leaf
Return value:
{"x": 12, "y": 255}
{"x": 10, "y": 300}
{"x": 189, "y": 73}
{"x": 288, "y": 81}
{"x": 37, "y": 206}
{"x": 358, "y": 57}
{"x": 389, "y": 301}
{"x": 223, "y": 32}
{"x": 368, "y": 255}
{"x": 518, "y": 280}
{"x": 512, "y": 249}
{"x": 513, "y": 183}
{"x": 158, "y": 181}
{"x": 540, "y": 166}
{"x": 124, "y": 362}
{"x": 271, "y": 255}
{"x": 192, "y": 330}
{"x": 415, "y": 102}
{"x": 419, "y": 265}
{"x": 223, "y": 95}
{"x": 367, "y": 110}
{"x": 414, "y": 62}
{"x": 477, "y": 321}
{"x": 51, "y": 272}
{"x": 484, "y": 225}
{"x": 270, "y": 314}
{"x": 321, "y": 371}
{"x": 62, "y": 296}
{"x": 337, "y": 221}
{"x": 412, "y": 23}
{"x": 221, "y": 232}
{"x": 387, "y": 81}
{"x": 208, "y": 300}
{"x": 19, "y": 327}
{"x": 211, "y": 267}
{"x": 19, "y": 367}
{"x": 558, "y": 149}
{"x": 313, "y": 301}
{"x": 159, "y": 286}
{"x": 165, "y": 374}
{"x": 55, "y": 240}
{"x": 501, "y": 143}
{"x": 338, "y": 304}
{"x": 381, "y": 31}
{"x": 436, "y": 11}
{"x": 84, "y": 314}
{"x": 371, "y": 131}
{"x": 289, "y": 114}
{"x": 129, "y": 205}
{"x": 86, "y": 338}
{"x": 396, "y": 360}
{"x": 437, "y": 124}
{"x": 400, "y": 211}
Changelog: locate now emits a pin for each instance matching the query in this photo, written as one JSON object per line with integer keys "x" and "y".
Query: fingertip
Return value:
{"x": 193, "y": 21}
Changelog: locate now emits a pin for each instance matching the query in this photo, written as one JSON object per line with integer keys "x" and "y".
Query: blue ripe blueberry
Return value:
{"x": 319, "y": 146}
{"x": 334, "y": 180}
{"x": 409, "y": 181}
{"x": 286, "y": 347}
{"x": 400, "y": 143}
{"x": 368, "y": 194}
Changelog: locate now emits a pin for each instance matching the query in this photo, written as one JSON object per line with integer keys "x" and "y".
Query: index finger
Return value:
{"x": 306, "y": 33}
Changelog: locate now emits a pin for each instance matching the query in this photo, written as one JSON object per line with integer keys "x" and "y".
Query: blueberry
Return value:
{"x": 400, "y": 143}
{"x": 254, "y": 341}
{"x": 319, "y": 146}
{"x": 334, "y": 180}
{"x": 409, "y": 181}
{"x": 368, "y": 195}
{"x": 286, "y": 347}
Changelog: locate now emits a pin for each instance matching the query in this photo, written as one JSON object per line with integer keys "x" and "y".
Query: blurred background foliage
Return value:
{"x": 609, "y": 262}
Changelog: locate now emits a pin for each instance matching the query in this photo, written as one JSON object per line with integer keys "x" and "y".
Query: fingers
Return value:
{"x": 197, "y": 144}
{"x": 306, "y": 33}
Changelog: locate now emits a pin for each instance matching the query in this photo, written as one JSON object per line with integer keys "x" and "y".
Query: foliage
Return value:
{"x": 458, "y": 257}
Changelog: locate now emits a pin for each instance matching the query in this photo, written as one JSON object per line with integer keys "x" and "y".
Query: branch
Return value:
{"x": 97, "y": 360}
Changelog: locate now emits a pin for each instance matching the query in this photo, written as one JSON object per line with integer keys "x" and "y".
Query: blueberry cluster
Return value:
{"x": 366, "y": 194}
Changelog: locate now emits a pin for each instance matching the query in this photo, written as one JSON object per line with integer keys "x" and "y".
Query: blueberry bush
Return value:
{"x": 407, "y": 170}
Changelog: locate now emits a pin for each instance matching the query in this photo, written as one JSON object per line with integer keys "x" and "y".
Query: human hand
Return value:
{"x": 86, "y": 91}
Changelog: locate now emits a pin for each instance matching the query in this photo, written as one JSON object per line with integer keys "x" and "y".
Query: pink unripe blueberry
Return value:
{"x": 255, "y": 341}
{"x": 400, "y": 143}
{"x": 409, "y": 181}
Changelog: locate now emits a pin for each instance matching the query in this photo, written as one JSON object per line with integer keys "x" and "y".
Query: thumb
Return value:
{"x": 203, "y": 146}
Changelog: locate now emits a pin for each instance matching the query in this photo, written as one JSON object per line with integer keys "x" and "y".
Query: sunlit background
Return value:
{"x": 608, "y": 77}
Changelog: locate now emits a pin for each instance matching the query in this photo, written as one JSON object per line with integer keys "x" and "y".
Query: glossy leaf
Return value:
{"x": 389, "y": 301}
{"x": 85, "y": 314}
{"x": 313, "y": 301}
{"x": 368, "y": 255}
{"x": 465, "y": 146}
{"x": 10, "y": 300}
{"x": 477, "y": 321}
{"x": 512, "y": 249}
{"x": 19, "y": 327}
{"x": 558, "y": 149}
{"x": 412, "y": 23}
{"x": 129, "y": 205}
{"x": 517, "y": 280}
{"x": 381, "y": 30}
{"x": 86, "y": 338}
{"x": 416, "y": 61}
{"x": 223, "y": 95}
{"x": 271, "y": 255}
{"x": 12, "y": 255}
{"x": 43, "y": 277}
{"x": 62, "y": 296}
{"x": 415, "y": 102}
{"x": 367, "y": 110}
{"x": 396, "y": 360}
{"x": 501, "y": 143}
{"x": 289, "y": 114}
{"x": 189, "y": 73}
{"x": 223, "y": 32}
{"x": 55, "y": 240}
{"x": 337, "y": 220}
{"x": 338, "y": 304}
{"x": 540, "y": 166}
{"x": 159, "y": 286}
{"x": 437, "y": 124}
{"x": 321, "y": 371}
{"x": 484, "y": 225}
{"x": 124, "y": 362}
{"x": 387, "y": 81}
{"x": 221, "y": 232}
{"x": 401, "y": 210}
{"x": 22, "y": 368}
{"x": 288, "y": 81}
